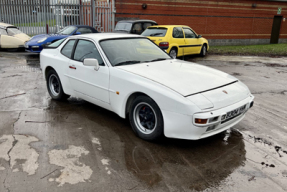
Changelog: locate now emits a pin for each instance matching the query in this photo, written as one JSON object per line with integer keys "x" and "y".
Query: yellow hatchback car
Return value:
{"x": 177, "y": 40}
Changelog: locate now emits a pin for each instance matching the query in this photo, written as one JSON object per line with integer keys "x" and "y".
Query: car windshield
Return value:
{"x": 67, "y": 30}
{"x": 13, "y": 31}
{"x": 158, "y": 32}
{"x": 123, "y": 27}
{"x": 132, "y": 51}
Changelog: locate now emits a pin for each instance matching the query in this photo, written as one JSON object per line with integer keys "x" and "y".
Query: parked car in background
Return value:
{"x": 133, "y": 77}
{"x": 177, "y": 40}
{"x": 133, "y": 26}
{"x": 11, "y": 37}
{"x": 36, "y": 42}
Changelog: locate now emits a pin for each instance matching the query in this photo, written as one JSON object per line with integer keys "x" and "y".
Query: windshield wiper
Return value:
{"x": 154, "y": 34}
{"x": 127, "y": 63}
{"x": 159, "y": 59}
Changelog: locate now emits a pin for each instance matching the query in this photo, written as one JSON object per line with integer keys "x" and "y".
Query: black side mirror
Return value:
{"x": 199, "y": 36}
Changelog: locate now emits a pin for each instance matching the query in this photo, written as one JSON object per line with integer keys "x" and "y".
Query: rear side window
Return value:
{"x": 137, "y": 28}
{"x": 146, "y": 25}
{"x": 87, "y": 49}
{"x": 68, "y": 48}
{"x": 156, "y": 32}
{"x": 84, "y": 30}
{"x": 177, "y": 32}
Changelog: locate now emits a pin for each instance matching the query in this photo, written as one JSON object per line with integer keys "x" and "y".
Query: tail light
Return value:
{"x": 163, "y": 44}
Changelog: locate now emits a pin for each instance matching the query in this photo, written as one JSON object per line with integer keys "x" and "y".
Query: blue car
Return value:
{"x": 35, "y": 44}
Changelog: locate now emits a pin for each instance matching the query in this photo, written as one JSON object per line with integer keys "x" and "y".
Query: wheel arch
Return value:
{"x": 130, "y": 100}
{"x": 47, "y": 69}
{"x": 174, "y": 46}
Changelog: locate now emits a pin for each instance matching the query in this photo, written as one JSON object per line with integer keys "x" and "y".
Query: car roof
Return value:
{"x": 102, "y": 36}
{"x": 80, "y": 26}
{"x": 135, "y": 21}
{"x": 168, "y": 26}
{"x": 5, "y": 25}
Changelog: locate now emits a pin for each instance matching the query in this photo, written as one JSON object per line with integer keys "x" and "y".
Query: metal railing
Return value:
{"x": 49, "y": 16}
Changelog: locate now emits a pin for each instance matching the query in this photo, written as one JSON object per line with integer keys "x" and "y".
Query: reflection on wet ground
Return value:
{"x": 195, "y": 164}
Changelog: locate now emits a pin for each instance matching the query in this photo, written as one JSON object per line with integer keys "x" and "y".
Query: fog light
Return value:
{"x": 200, "y": 121}
{"x": 210, "y": 128}
{"x": 35, "y": 46}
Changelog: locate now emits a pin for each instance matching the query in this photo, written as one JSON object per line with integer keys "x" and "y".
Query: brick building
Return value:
{"x": 220, "y": 21}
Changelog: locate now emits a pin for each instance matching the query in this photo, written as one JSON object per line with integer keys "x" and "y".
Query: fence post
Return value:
{"x": 113, "y": 14}
{"x": 93, "y": 13}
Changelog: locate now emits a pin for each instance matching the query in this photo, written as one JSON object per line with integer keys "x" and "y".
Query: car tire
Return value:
{"x": 203, "y": 51}
{"x": 146, "y": 118}
{"x": 54, "y": 86}
{"x": 173, "y": 53}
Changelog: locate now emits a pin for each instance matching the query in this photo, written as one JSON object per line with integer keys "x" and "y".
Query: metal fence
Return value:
{"x": 48, "y": 16}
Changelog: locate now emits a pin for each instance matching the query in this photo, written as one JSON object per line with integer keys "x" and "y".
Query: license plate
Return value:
{"x": 235, "y": 112}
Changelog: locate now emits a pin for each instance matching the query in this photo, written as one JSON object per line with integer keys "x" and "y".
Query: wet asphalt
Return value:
{"x": 47, "y": 145}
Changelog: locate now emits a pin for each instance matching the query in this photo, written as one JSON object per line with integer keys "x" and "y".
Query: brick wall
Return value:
{"x": 214, "y": 19}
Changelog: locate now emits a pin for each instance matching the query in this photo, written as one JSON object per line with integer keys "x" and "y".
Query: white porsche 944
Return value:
{"x": 131, "y": 76}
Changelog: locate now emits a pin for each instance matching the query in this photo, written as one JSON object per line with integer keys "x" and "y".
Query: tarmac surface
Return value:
{"x": 74, "y": 145}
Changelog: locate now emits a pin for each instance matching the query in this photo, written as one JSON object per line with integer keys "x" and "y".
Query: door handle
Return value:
{"x": 72, "y": 67}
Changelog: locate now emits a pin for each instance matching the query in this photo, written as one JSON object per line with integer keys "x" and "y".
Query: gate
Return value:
{"x": 49, "y": 16}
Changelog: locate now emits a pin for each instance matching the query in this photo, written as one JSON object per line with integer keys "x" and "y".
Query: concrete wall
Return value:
{"x": 220, "y": 21}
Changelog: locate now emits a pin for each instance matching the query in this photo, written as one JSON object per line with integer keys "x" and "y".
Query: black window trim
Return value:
{"x": 74, "y": 49}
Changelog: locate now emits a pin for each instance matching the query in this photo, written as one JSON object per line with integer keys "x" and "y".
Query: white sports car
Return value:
{"x": 131, "y": 76}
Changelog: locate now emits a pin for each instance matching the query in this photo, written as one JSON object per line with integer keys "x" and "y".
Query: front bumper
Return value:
{"x": 34, "y": 48}
{"x": 182, "y": 126}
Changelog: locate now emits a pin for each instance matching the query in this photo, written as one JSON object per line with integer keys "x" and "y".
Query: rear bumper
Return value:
{"x": 182, "y": 126}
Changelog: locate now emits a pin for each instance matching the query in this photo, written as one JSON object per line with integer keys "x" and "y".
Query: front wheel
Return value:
{"x": 54, "y": 86}
{"x": 146, "y": 118}
{"x": 203, "y": 51}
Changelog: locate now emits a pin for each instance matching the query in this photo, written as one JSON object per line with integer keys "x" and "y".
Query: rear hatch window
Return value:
{"x": 155, "y": 32}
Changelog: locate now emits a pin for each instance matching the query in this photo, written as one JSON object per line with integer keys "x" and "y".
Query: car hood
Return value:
{"x": 54, "y": 36}
{"x": 23, "y": 37}
{"x": 183, "y": 77}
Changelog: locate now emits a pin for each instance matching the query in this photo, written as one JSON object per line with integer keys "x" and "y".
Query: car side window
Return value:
{"x": 146, "y": 25}
{"x": 3, "y": 32}
{"x": 137, "y": 28}
{"x": 177, "y": 32}
{"x": 87, "y": 49}
{"x": 68, "y": 48}
{"x": 189, "y": 33}
{"x": 84, "y": 30}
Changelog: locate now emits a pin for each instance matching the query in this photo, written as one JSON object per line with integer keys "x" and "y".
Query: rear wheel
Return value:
{"x": 173, "y": 53}
{"x": 146, "y": 118}
{"x": 54, "y": 86}
{"x": 203, "y": 51}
